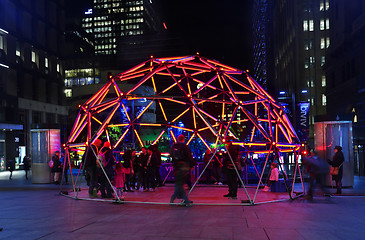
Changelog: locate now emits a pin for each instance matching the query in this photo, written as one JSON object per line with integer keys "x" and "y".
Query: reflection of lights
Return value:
{"x": 282, "y": 92}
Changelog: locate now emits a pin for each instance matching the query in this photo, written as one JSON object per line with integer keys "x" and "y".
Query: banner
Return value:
{"x": 302, "y": 120}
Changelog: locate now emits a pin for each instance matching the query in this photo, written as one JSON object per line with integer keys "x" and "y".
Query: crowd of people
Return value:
{"x": 141, "y": 172}
{"x": 126, "y": 173}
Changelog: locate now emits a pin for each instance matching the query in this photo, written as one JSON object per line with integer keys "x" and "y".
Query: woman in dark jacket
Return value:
{"x": 57, "y": 167}
{"x": 337, "y": 161}
{"x": 105, "y": 187}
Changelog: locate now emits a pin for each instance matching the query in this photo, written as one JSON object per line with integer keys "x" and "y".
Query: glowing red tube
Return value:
{"x": 158, "y": 138}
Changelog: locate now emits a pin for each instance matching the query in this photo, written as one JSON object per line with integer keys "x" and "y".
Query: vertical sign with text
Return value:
{"x": 302, "y": 120}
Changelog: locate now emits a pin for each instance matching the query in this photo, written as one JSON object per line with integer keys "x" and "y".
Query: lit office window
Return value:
{"x": 58, "y": 67}
{"x": 323, "y": 43}
{"x": 1, "y": 42}
{"x": 321, "y": 5}
{"x": 306, "y": 63}
{"x": 46, "y": 62}
{"x": 312, "y": 61}
{"x": 308, "y": 44}
{"x": 311, "y": 25}
{"x": 327, "y": 42}
{"x": 323, "y": 60}
{"x": 323, "y": 80}
{"x": 312, "y": 101}
{"x": 321, "y": 24}
{"x": 17, "y": 49}
{"x": 33, "y": 56}
{"x": 312, "y": 83}
{"x": 327, "y": 4}
{"x": 68, "y": 93}
{"x": 324, "y": 100}
{"x": 327, "y": 24}
{"x": 305, "y": 25}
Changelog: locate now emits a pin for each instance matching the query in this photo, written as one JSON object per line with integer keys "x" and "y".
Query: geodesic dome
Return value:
{"x": 210, "y": 99}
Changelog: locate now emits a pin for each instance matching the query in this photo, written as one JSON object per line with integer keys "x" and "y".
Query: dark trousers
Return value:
{"x": 150, "y": 180}
{"x": 232, "y": 182}
{"x": 26, "y": 173}
{"x": 105, "y": 187}
{"x": 141, "y": 176}
{"x": 158, "y": 176}
{"x": 179, "y": 187}
{"x": 217, "y": 174}
{"x": 93, "y": 178}
{"x": 208, "y": 175}
{"x": 127, "y": 185}
{"x": 316, "y": 179}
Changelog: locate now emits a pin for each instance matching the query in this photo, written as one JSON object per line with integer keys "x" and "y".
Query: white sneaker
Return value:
{"x": 220, "y": 183}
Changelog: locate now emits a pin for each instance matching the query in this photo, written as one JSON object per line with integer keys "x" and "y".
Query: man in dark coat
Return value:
{"x": 26, "y": 165}
{"x": 229, "y": 168}
{"x": 337, "y": 161}
{"x": 90, "y": 165}
{"x": 105, "y": 187}
{"x": 181, "y": 160}
{"x": 10, "y": 165}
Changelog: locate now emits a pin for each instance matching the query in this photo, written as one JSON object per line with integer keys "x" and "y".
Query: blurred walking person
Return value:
{"x": 181, "y": 160}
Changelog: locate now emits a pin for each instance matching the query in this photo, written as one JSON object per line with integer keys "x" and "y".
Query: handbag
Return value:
{"x": 51, "y": 163}
{"x": 334, "y": 170}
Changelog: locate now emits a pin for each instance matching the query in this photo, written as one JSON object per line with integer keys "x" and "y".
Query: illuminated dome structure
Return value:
{"x": 211, "y": 99}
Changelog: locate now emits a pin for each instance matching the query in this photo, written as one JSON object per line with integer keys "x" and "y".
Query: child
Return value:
{"x": 274, "y": 176}
{"x": 119, "y": 178}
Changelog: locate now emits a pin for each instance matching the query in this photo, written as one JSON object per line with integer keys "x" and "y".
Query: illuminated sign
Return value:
{"x": 302, "y": 120}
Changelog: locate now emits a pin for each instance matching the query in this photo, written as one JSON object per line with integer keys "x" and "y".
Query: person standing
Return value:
{"x": 128, "y": 159}
{"x": 337, "y": 161}
{"x": 90, "y": 165}
{"x": 141, "y": 172}
{"x": 208, "y": 171}
{"x": 150, "y": 180}
{"x": 181, "y": 160}
{"x": 105, "y": 187}
{"x": 10, "y": 165}
{"x": 26, "y": 165}
{"x": 229, "y": 168}
{"x": 157, "y": 159}
{"x": 56, "y": 169}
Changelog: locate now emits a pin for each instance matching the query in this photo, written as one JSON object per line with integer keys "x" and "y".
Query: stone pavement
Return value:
{"x": 37, "y": 211}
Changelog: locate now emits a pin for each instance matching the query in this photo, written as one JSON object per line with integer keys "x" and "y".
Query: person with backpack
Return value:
{"x": 181, "y": 161}
{"x": 108, "y": 164}
{"x": 90, "y": 165}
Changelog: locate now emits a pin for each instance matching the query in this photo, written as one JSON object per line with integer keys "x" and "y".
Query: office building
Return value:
{"x": 31, "y": 73}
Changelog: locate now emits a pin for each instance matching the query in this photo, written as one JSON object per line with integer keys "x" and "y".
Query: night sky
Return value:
{"x": 216, "y": 29}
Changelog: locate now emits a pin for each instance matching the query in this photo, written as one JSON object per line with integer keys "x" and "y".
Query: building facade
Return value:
{"x": 301, "y": 30}
{"x": 31, "y": 73}
{"x": 345, "y": 73}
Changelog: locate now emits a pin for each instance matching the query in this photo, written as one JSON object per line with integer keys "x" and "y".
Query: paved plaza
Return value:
{"x": 37, "y": 211}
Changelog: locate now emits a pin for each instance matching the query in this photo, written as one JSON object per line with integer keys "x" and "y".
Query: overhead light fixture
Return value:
{"x": 2, "y": 30}
{"x": 3, "y": 65}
